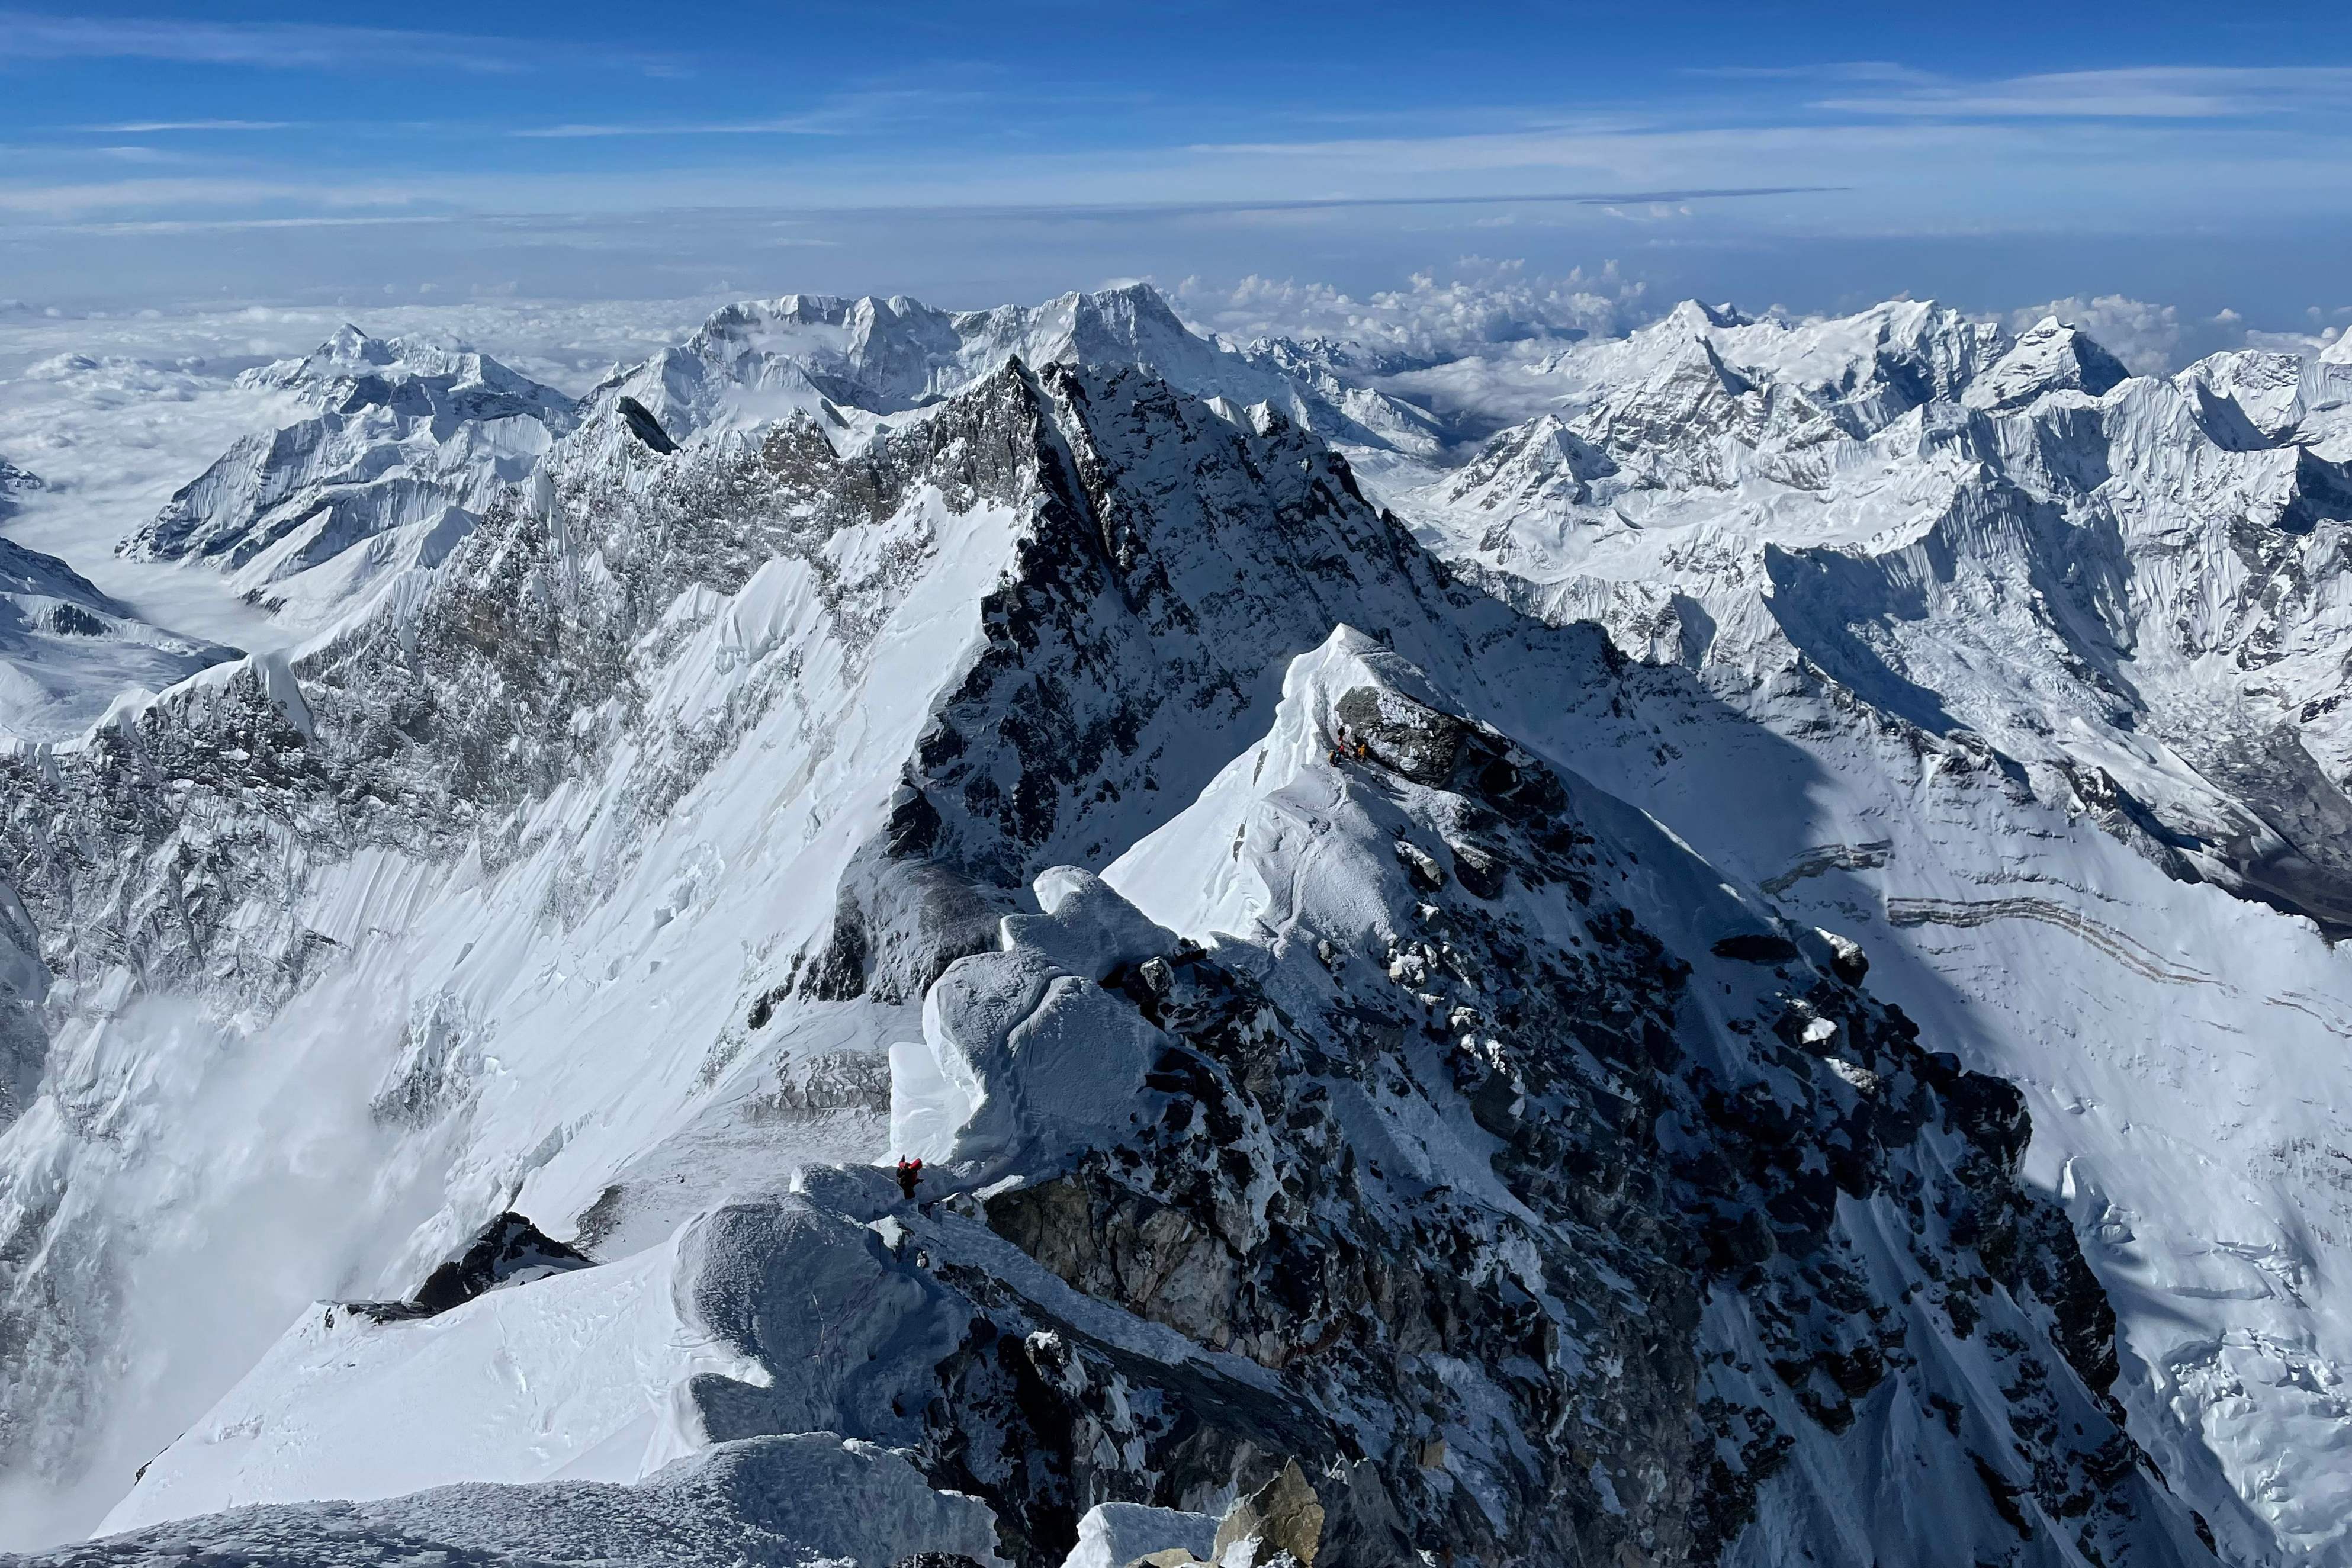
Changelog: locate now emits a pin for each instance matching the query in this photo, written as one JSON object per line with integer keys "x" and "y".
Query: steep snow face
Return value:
{"x": 671, "y": 633}
{"x": 2049, "y": 357}
{"x": 408, "y": 442}
{"x": 23, "y": 986}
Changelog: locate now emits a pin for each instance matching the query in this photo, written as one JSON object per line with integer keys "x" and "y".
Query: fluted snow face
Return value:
{"x": 914, "y": 753}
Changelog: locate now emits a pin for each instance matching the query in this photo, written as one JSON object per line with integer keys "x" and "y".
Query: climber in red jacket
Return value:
{"x": 909, "y": 1173}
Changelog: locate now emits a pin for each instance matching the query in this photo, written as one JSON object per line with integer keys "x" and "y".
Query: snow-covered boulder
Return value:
{"x": 766, "y": 1503}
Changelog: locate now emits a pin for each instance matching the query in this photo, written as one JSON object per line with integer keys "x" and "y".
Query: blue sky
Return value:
{"x": 1814, "y": 154}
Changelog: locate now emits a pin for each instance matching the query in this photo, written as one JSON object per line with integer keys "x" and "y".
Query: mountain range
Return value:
{"x": 1713, "y": 946}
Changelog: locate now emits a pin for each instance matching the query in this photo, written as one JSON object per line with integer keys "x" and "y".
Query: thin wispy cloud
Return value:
{"x": 1828, "y": 70}
{"x": 28, "y": 36}
{"x": 791, "y": 126}
{"x": 838, "y": 115}
{"x": 152, "y": 127}
{"x": 2193, "y": 92}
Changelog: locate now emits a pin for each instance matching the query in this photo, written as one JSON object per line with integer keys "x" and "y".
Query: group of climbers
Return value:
{"x": 1346, "y": 746}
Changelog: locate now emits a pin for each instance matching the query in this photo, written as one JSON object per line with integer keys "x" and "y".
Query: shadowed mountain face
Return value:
{"x": 1339, "y": 1011}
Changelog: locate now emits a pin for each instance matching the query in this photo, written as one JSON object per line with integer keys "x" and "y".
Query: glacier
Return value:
{"x": 1711, "y": 945}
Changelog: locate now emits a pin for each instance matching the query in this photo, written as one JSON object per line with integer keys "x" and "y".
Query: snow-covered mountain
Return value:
{"x": 2131, "y": 581}
{"x": 407, "y": 443}
{"x": 761, "y": 361}
{"x": 2112, "y": 601}
{"x": 1792, "y": 1071}
{"x": 15, "y": 482}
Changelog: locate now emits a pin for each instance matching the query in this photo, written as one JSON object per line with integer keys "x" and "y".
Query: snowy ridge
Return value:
{"x": 762, "y": 361}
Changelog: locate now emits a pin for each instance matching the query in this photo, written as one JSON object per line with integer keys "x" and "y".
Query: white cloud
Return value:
{"x": 2181, "y": 92}
{"x": 1481, "y": 305}
{"x": 2145, "y": 336}
{"x": 146, "y": 127}
{"x": 285, "y": 46}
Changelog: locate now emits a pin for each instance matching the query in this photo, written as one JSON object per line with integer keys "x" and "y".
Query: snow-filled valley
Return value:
{"x": 1715, "y": 945}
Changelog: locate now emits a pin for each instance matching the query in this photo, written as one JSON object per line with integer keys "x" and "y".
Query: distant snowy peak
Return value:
{"x": 848, "y": 362}
{"x": 1540, "y": 465}
{"x": 2040, "y": 549}
{"x": 1862, "y": 370}
{"x": 2249, "y": 397}
{"x": 1705, "y": 396}
{"x": 352, "y": 371}
{"x": 29, "y": 572}
{"x": 1695, "y": 315}
{"x": 762, "y": 359}
{"x": 2051, "y": 356}
{"x": 2246, "y": 397}
{"x": 409, "y": 442}
{"x": 15, "y": 483}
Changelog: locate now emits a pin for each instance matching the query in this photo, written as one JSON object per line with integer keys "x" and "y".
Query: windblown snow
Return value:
{"x": 1714, "y": 945}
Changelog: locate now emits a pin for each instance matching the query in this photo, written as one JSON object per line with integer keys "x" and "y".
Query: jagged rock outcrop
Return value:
{"x": 509, "y": 1250}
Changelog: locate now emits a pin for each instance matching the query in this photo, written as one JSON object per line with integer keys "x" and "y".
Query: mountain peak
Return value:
{"x": 1697, "y": 316}
{"x": 2051, "y": 355}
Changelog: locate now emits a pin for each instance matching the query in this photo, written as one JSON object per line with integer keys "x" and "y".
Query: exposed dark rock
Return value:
{"x": 643, "y": 425}
{"x": 1282, "y": 1516}
{"x": 1480, "y": 871}
{"x": 508, "y": 1251}
{"x": 1756, "y": 947}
